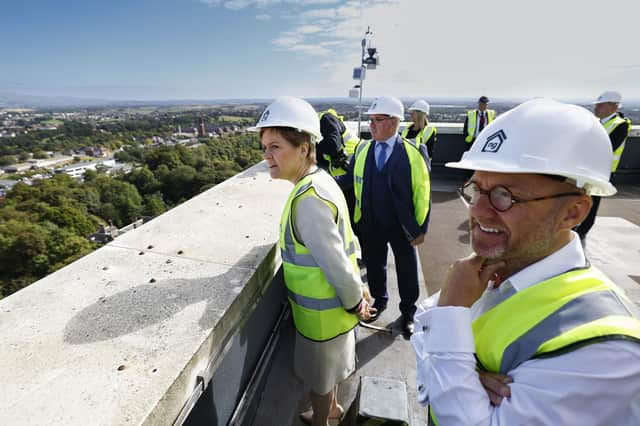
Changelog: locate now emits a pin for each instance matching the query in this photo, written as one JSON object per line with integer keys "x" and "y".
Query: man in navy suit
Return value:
{"x": 390, "y": 180}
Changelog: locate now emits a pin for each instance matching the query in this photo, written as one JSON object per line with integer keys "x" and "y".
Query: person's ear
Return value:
{"x": 576, "y": 211}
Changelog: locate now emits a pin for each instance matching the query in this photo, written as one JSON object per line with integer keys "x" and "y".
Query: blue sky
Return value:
{"x": 207, "y": 49}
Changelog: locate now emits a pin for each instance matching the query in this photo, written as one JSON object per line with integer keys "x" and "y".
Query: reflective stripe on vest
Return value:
{"x": 421, "y": 137}
{"x": 472, "y": 123}
{"x": 420, "y": 181}
{"x": 317, "y": 311}
{"x": 551, "y": 317}
{"x": 610, "y": 125}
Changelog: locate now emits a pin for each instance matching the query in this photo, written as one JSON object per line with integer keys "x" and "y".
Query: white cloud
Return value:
{"x": 318, "y": 13}
{"x": 501, "y": 48}
{"x": 310, "y": 29}
{"x": 310, "y": 49}
{"x": 263, "y": 17}
{"x": 242, "y": 4}
{"x": 237, "y": 4}
{"x": 455, "y": 48}
{"x": 287, "y": 40}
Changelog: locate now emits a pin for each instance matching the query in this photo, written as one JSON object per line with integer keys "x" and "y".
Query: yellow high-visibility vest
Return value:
{"x": 317, "y": 311}
{"x": 420, "y": 181}
{"x": 422, "y": 137}
{"x": 610, "y": 125}
{"x": 472, "y": 121}
{"x": 551, "y": 318}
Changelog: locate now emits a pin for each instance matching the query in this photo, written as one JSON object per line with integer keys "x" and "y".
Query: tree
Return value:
{"x": 7, "y": 160}
{"x": 181, "y": 184}
{"x": 120, "y": 201}
{"x": 144, "y": 180}
{"x": 39, "y": 153}
{"x": 22, "y": 246}
{"x": 71, "y": 219}
{"x": 153, "y": 205}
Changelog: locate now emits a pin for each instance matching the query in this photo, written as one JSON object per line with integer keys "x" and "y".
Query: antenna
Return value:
{"x": 369, "y": 61}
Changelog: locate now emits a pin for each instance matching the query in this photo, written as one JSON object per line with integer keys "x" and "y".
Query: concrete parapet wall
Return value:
{"x": 120, "y": 336}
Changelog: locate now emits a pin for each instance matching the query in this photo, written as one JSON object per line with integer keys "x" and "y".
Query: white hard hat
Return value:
{"x": 420, "y": 105}
{"x": 545, "y": 137}
{"x": 288, "y": 111}
{"x": 387, "y": 105}
{"x": 608, "y": 96}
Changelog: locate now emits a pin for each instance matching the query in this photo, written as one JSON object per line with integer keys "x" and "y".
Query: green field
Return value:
{"x": 237, "y": 119}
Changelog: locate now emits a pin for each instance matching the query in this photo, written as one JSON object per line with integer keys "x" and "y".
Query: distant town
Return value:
{"x": 161, "y": 125}
{"x": 96, "y": 136}
{"x": 73, "y": 178}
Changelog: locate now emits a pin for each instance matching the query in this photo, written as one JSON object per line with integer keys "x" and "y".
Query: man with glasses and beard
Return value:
{"x": 390, "y": 180}
{"x": 525, "y": 330}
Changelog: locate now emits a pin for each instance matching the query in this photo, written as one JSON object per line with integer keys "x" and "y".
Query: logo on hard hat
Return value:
{"x": 494, "y": 141}
{"x": 265, "y": 115}
{"x": 374, "y": 105}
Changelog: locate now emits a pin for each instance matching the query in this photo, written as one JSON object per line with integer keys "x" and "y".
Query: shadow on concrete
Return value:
{"x": 442, "y": 197}
{"x": 145, "y": 304}
{"x": 369, "y": 347}
{"x": 465, "y": 236}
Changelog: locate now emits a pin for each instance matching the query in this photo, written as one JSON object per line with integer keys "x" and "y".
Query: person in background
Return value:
{"x": 318, "y": 256}
{"x": 476, "y": 120}
{"x": 335, "y": 149}
{"x": 525, "y": 331}
{"x": 618, "y": 127}
{"x": 390, "y": 179}
{"x": 419, "y": 132}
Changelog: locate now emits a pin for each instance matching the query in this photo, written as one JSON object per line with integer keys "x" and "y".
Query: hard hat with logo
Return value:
{"x": 545, "y": 137}
{"x": 288, "y": 111}
{"x": 420, "y": 105}
{"x": 608, "y": 96}
{"x": 387, "y": 105}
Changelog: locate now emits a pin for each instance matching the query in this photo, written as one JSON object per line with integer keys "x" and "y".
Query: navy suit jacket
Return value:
{"x": 399, "y": 184}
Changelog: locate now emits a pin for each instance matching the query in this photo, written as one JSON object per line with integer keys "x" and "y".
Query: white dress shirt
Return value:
{"x": 598, "y": 384}
{"x": 478, "y": 118}
{"x": 607, "y": 118}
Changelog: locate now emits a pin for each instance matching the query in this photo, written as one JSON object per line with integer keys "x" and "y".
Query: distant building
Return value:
{"x": 47, "y": 127}
{"x": 181, "y": 134}
{"x": 18, "y": 168}
{"x": 77, "y": 170}
{"x": 91, "y": 151}
{"x": 7, "y": 184}
{"x": 105, "y": 234}
{"x": 202, "y": 129}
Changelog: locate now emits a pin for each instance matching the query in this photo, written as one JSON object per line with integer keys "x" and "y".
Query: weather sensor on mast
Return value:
{"x": 369, "y": 60}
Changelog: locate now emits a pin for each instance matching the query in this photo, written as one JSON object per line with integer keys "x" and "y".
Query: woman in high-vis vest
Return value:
{"x": 318, "y": 256}
{"x": 419, "y": 132}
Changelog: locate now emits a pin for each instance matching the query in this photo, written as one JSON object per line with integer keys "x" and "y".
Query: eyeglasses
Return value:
{"x": 499, "y": 196}
{"x": 379, "y": 119}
